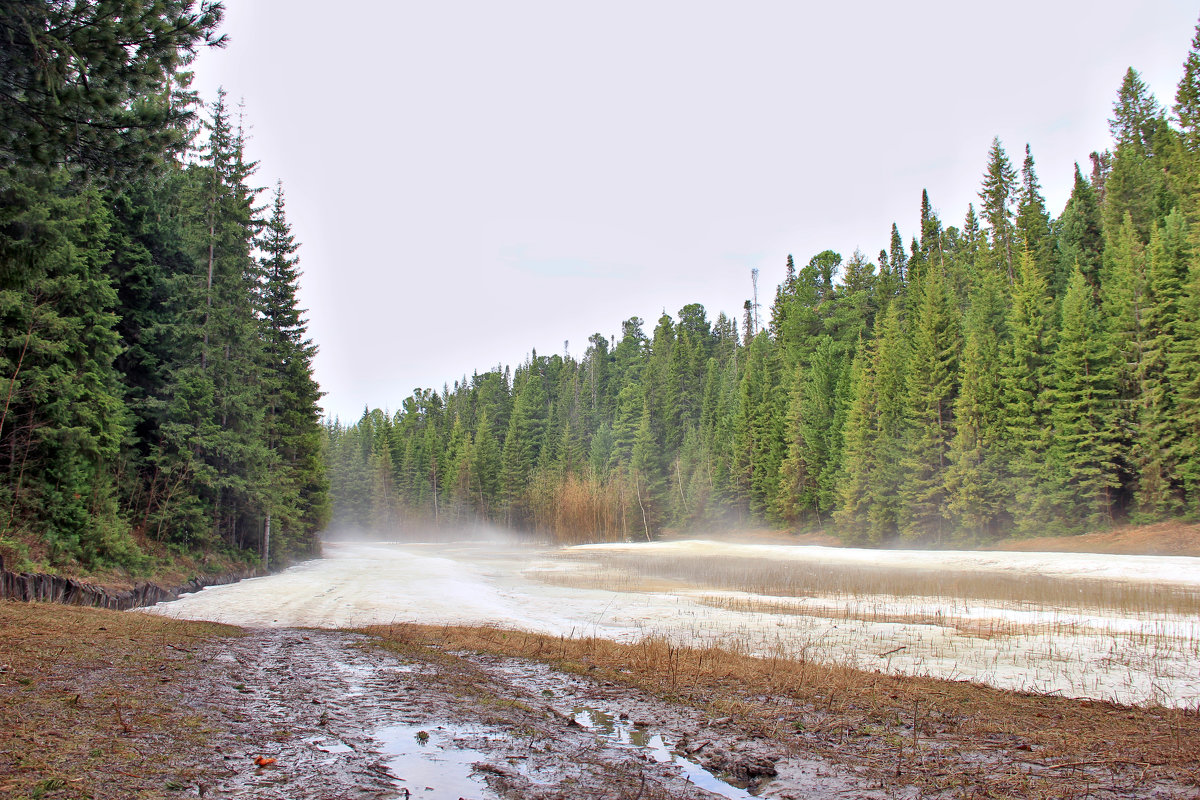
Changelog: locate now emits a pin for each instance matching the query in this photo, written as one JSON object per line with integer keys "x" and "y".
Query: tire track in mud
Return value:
{"x": 342, "y": 717}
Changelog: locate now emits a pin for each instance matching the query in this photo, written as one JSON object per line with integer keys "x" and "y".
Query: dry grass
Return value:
{"x": 88, "y": 705}
{"x": 940, "y": 735}
{"x": 1159, "y": 539}
{"x": 631, "y": 571}
{"x": 984, "y": 628}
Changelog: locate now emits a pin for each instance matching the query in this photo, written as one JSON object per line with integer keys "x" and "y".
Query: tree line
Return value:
{"x": 156, "y": 390}
{"x": 1021, "y": 373}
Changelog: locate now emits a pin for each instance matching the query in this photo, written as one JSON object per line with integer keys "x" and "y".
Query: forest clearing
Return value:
{"x": 919, "y": 519}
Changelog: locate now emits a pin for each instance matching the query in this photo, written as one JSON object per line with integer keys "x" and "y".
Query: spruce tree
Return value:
{"x": 1134, "y": 115}
{"x": 1187, "y": 97}
{"x": 63, "y": 418}
{"x": 976, "y": 488}
{"x": 295, "y": 483}
{"x": 1187, "y": 112}
{"x": 1033, "y": 223}
{"x": 874, "y": 434}
{"x": 1156, "y": 446}
{"x": 897, "y": 258}
{"x": 1080, "y": 235}
{"x": 1123, "y": 307}
{"x": 813, "y": 443}
{"x": 486, "y": 466}
{"x": 1026, "y": 376}
{"x": 1083, "y": 454}
{"x": 932, "y": 377}
{"x": 94, "y": 86}
{"x": 997, "y": 194}
{"x": 1135, "y": 185}
{"x": 1183, "y": 373}
{"x": 759, "y": 431}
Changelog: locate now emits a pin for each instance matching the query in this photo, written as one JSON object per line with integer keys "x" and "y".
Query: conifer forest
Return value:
{"x": 156, "y": 393}
{"x": 1020, "y": 372}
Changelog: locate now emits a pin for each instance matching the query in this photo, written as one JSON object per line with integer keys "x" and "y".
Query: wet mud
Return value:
{"x": 336, "y": 715}
{"x": 296, "y": 714}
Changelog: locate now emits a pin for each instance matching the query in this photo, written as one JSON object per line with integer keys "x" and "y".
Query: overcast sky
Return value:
{"x": 472, "y": 180}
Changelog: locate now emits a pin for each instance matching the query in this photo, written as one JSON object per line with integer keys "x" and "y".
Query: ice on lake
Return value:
{"x": 1057, "y": 630}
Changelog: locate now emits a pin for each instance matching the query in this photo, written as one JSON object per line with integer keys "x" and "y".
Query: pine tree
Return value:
{"x": 1083, "y": 452}
{"x": 95, "y": 85}
{"x": 758, "y": 430}
{"x": 1160, "y": 491}
{"x": 1123, "y": 308}
{"x": 932, "y": 376}
{"x": 1080, "y": 235}
{"x": 1033, "y": 223}
{"x": 295, "y": 487}
{"x": 975, "y": 478}
{"x": 1026, "y": 376}
{"x": 874, "y": 434}
{"x": 997, "y": 194}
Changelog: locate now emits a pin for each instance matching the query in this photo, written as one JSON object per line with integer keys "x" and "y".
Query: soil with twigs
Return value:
{"x": 904, "y": 736}
{"x": 108, "y": 705}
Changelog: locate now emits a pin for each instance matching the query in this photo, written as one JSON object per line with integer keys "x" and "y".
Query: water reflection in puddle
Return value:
{"x": 431, "y": 762}
{"x": 623, "y": 732}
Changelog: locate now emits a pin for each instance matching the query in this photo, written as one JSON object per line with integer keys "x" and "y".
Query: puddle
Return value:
{"x": 623, "y": 732}
{"x": 330, "y": 746}
{"x": 430, "y": 761}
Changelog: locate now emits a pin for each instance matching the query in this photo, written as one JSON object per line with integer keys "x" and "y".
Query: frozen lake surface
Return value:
{"x": 1080, "y": 625}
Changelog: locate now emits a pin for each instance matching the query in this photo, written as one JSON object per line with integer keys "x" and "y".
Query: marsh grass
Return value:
{"x": 647, "y": 572}
{"x": 1121, "y": 640}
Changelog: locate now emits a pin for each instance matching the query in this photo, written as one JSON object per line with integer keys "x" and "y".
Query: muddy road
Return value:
{"x": 343, "y": 717}
{"x": 114, "y": 706}
{"x": 337, "y": 714}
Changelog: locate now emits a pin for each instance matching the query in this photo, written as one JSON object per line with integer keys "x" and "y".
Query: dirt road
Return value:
{"x": 344, "y": 718}
{"x": 114, "y": 706}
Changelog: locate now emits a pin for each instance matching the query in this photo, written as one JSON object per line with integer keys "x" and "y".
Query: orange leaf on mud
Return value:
{"x": 263, "y": 761}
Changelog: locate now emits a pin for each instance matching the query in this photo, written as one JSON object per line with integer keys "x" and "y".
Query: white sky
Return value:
{"x": 471, "y": 180}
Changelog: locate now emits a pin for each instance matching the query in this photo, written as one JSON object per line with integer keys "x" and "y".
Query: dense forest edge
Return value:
{"x": 158, "y": 413}
{"x": 1020, "y": 375}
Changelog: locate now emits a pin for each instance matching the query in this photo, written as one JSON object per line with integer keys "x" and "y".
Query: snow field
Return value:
{"x": 1120, "y": 628}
